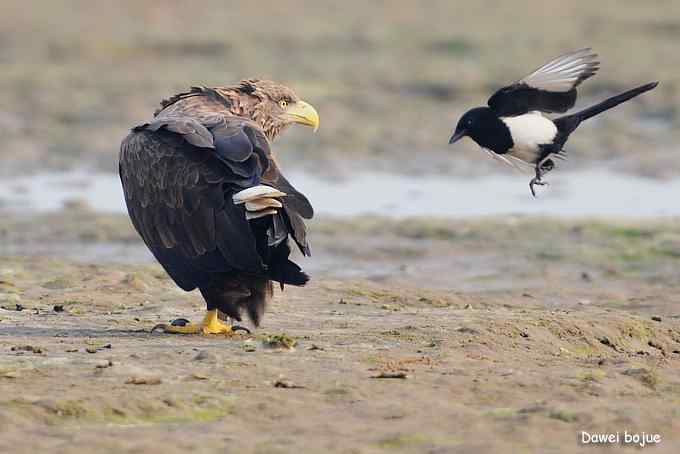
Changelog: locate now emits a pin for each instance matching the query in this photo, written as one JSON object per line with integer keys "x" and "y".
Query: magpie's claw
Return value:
{"x": 536, "y": 181}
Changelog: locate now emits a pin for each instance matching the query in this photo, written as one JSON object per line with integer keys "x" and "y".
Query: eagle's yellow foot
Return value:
{"x": 211, "y": 324}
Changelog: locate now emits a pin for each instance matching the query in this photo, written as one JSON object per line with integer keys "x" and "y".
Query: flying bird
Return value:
{"x": 204, "y": 191}
{"x": 513, "y": 127}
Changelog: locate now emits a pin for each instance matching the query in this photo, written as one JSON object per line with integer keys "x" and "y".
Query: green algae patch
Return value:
{"x": 563, "y": 415}
{"x": 90, "y": 412}
{"x": 279, "y": 342}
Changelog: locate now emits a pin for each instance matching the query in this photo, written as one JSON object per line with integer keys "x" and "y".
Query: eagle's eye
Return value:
{"x": 283, "y": 103}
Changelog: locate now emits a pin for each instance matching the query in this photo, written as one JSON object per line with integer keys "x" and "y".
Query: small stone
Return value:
{"x": 205, "y": 356}
{"x": 27, "y": 348}
{"x": 315, "y": 347}
{"x": 286, "y": 384}
{"x": 468, "y": 330}
{"x": 391, "y": 375}
{"x": 143, "y": 381}
{"x": 103, "y": 364}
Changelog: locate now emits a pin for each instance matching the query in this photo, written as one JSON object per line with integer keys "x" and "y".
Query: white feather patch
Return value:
{"x": 256, "y": 192}
{"x": 262, "y": 204}
{"x": 564, "y": 72}
{"x": 259, "y": 214}
{"x": 529, "y": 132}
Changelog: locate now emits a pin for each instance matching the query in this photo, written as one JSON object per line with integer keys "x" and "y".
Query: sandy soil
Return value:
{"x": 508, "y": 334}
{"x": 518, "y": 359}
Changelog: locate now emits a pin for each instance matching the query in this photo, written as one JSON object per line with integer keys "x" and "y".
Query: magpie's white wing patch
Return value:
{"x": 529, "y": 132}
{"x": 564, "y": 72}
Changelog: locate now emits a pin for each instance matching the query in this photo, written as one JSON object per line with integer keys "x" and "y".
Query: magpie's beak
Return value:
{"x": 457, "y": 136}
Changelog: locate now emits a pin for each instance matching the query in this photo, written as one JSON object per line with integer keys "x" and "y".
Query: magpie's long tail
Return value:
{"x": 567, "y": 124}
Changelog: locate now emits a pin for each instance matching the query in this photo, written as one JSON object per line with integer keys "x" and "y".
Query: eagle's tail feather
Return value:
{"x": 232, "y": 296}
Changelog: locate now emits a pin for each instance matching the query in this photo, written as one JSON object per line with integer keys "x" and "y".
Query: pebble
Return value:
{"x": 205, "y": 356}
{"x": 143, "y": 381}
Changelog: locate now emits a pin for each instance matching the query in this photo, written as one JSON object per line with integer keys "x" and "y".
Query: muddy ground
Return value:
{"x": 490, "y": 335}
{"x": 509, "y": 334}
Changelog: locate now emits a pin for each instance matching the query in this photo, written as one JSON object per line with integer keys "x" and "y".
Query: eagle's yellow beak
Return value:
{"x": 304, "y": 114}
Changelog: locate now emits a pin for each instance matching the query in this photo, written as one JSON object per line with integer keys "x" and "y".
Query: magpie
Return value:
{"x": 514, "y": 129}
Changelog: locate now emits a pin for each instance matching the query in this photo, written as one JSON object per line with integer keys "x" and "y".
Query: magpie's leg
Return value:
{"x": 536, "y": 181}
{"x": 544, "y": 166}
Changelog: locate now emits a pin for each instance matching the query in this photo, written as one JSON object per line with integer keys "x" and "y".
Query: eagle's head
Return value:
{"x": 272, "y": 105}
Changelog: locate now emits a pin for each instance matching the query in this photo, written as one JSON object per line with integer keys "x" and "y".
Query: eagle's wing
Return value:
{"x": 295, "y": 204}
{"x": 179, "y": 176}
{"x": 551, "y": 88}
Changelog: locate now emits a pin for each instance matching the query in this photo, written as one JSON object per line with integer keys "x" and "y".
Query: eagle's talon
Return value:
{"x": 235, "y": 328}
{"x": 161, "y": 326}
{"x": 211, "y": 324}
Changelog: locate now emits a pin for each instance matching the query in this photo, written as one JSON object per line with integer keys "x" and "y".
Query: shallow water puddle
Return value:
{"x": 590, "y": 193}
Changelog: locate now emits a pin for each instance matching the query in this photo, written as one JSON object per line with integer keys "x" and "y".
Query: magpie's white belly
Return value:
{"x": 528, "y": 132}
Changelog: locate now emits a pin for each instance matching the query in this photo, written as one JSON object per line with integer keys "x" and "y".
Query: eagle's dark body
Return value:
{"x": 179, "y": 173}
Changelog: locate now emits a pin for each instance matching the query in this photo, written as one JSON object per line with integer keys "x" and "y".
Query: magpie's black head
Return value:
{"x": 475, "y": 123}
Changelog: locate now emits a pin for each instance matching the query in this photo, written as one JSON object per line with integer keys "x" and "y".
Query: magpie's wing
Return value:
{"x": 509, "y": 160}
{"x": 551, "y": 88}
{"x": 179, "y": 175}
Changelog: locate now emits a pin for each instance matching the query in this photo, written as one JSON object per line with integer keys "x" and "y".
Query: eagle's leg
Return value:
{"x": 211, "y": 324}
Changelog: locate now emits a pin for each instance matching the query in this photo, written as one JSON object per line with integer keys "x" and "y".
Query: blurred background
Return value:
{"x": 389, "y": 78}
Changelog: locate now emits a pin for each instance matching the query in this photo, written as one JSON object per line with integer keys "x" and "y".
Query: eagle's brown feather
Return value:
{"x": 179, "y": 172}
